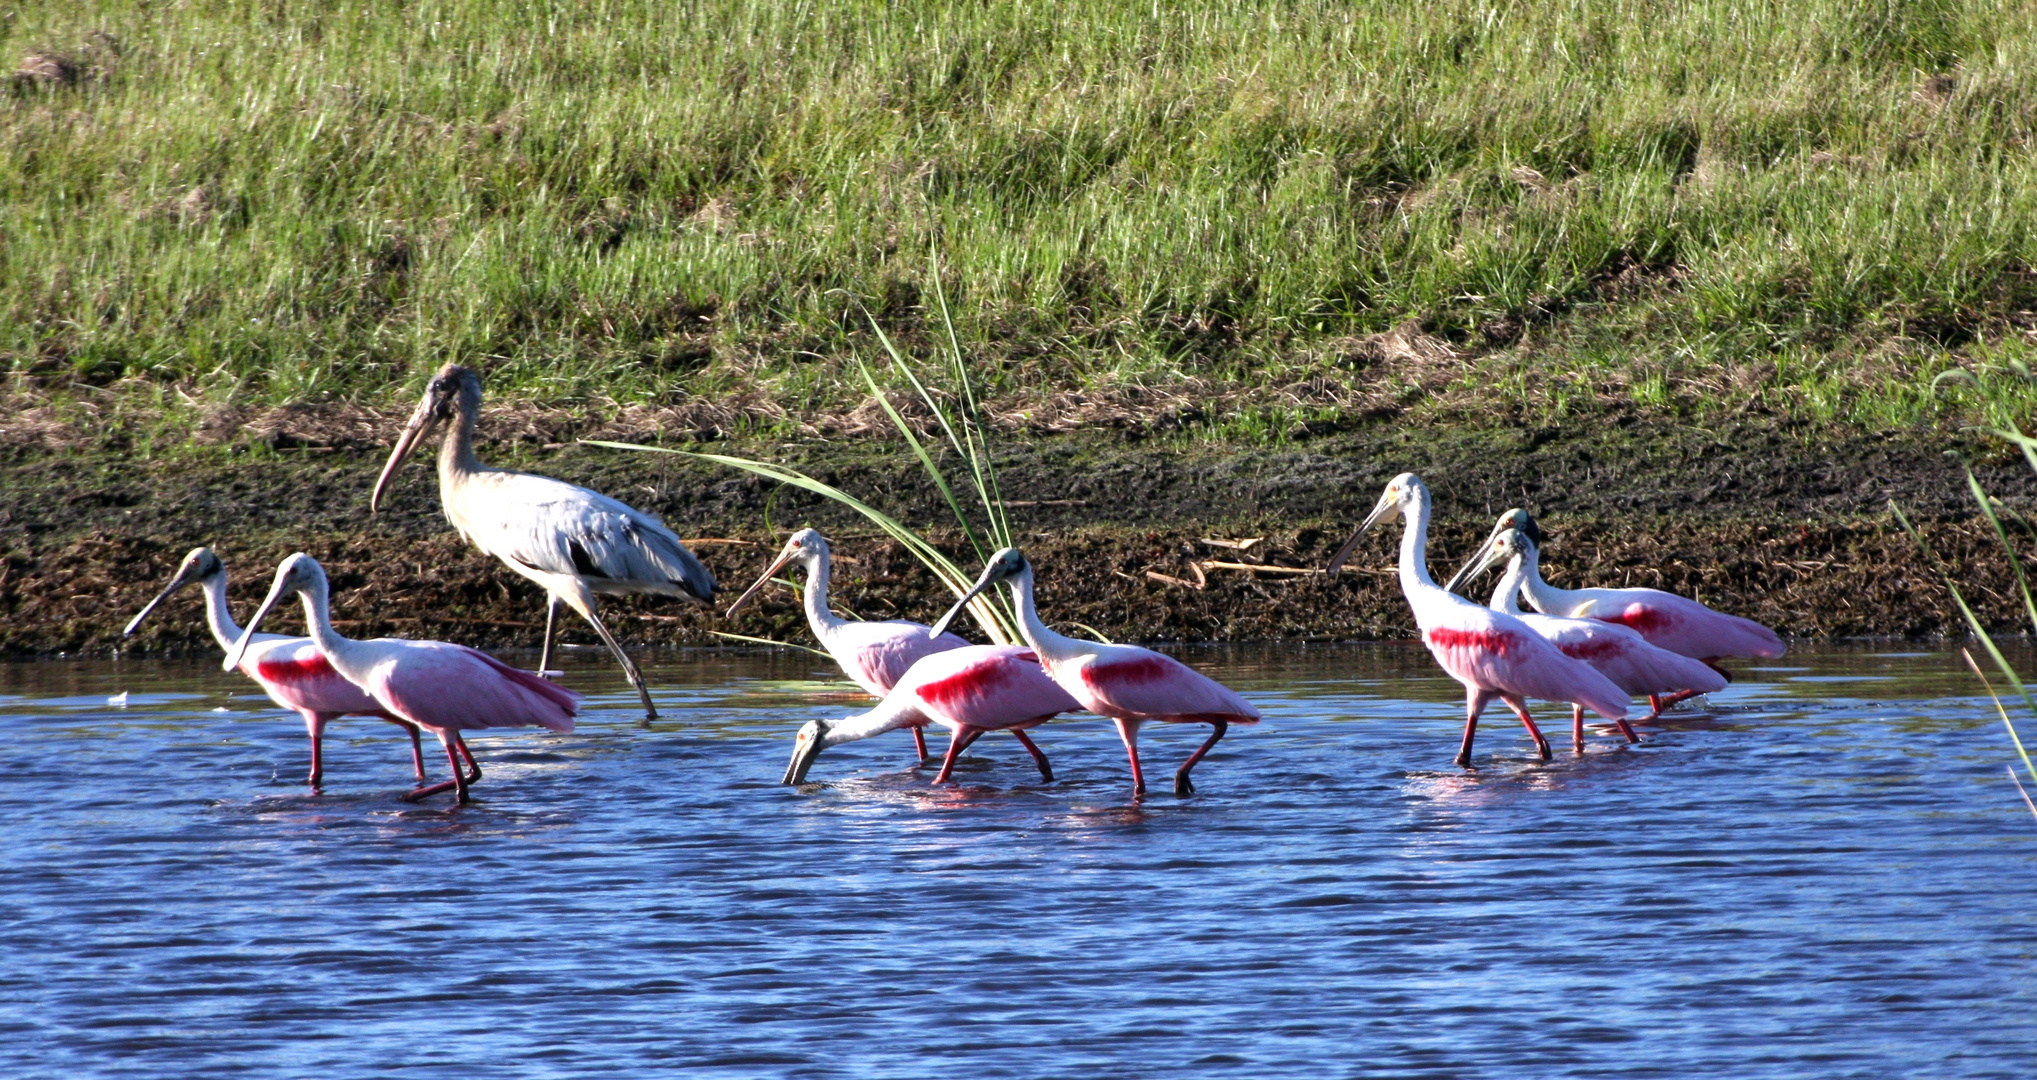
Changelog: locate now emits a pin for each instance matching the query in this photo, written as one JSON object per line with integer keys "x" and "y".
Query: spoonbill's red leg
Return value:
{"x": 1520, "y": 708}
{"x": 473, "y": 767}
{"x": 1577, "y": 726}
{"x": 919, "y": 739}
{"x": 1474, "y": 703}
{"x": 958, "y": 742}
{"x": 416, "y": 744}
{"x": 457, "y": 784}
{"x": 1182, "y": 786}
{"x": 1128, "y": 730}
{"x": 315, "y": 724}
{"x": 1040, "y": 759}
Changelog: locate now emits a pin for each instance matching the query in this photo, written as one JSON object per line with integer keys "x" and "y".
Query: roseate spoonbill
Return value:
{"x": 1492, "y": 653}
{"x": 1618, "y": 653}
{"x": 874, "y": 655}
{"x": 969, "y": 691}
{"x": 446, "y": 688}
{"x": 1668, "y": 621}
{"x": 288, "y": 669}
{"x": 1126, "y": 683}
{"x": 574, "y": 543}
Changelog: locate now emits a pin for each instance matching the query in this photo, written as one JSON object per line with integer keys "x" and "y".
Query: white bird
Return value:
{"x": 1493, "y": 654}
{"x": 1616, "y": 652}
{"x": 575, "y": 543}
{"x": 875, "y": 655}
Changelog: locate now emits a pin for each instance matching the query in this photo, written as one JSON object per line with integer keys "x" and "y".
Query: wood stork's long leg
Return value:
{"x": 629, "y": 667}
{"x": 551, "y": 622}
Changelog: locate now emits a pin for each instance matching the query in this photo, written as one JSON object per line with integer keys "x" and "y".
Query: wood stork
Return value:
{"x": 576, "y": 544}
{"x": 1668, "y": 621}
{"x": 288, "y": 669}
{"x": 874, "y": 655}
{"x": 1129, "y": 684}
{"x": 1615, "y": 651}
{"x": 969, "y": 691}
{"x": 446, "y": 688}
{"x": 1492, "y": 653}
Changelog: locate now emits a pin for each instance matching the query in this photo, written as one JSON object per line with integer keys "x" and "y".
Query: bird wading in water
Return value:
{"x": 575, "y": 543}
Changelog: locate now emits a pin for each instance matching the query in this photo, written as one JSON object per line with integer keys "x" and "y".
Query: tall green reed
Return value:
{"x": 965, "y": 433}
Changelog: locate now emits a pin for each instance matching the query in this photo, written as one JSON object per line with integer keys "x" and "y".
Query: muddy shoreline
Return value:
{"x": 1760, "y": 521}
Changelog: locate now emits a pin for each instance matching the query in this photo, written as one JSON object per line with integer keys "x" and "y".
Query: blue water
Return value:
{"x": 1825, "y": 872}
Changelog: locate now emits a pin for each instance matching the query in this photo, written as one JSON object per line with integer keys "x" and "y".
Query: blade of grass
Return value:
{"x": 2015, "y": 564}
{"x": 985, "y": 470}
{"x": 2013, "y": 737}
{"x": 768, "y": 641}
{"x": 920, "y": 451}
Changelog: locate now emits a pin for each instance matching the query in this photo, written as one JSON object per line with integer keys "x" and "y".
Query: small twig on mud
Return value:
{"x": 721, "y": 540}
{"x": 1167, "y": 580}
{"x": 1239, "y": 546}
{"x": 1262, "y": 568}
{"x": 1046, "y": 502}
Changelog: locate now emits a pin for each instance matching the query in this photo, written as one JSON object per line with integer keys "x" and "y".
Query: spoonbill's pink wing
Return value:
{"x": 1626, "y": 657}
{"x": 1494, "y": 651}
{"x": 876, "y": 655}
{"x": 1683, "y": 625}
{"x": 454, "y": 687}
{"x": 986, "y": 686}
{"x": 1128, "y": 681}
{"x": 296, "y": 677}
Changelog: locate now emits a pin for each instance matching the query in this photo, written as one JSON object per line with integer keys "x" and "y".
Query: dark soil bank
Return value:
{"x": 1754, "y": 521}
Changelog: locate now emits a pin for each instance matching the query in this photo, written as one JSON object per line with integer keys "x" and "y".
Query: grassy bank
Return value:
{"x": 1240, "y": 220}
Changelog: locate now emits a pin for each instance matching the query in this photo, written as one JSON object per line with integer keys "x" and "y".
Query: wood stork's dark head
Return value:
{"x": 1515, "y": 520}
{"x": 452, "y": 396}
{"x": 199, "y": 565}
{"x": 806, "y": 547}
{"x": 1007, "y": 564}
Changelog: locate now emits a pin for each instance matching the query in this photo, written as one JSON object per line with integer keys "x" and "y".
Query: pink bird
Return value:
{"x": 1492, "y": 653}
{"x": 969, "y": 691}
{"x": 446, "y": 688}
{"x": 874, "y": 655}
{"x": 288, "y": 669}
{"x": 1616, "y": 652}
{"x": 1668, "y": 621}
{"x": 1129, "y": 684}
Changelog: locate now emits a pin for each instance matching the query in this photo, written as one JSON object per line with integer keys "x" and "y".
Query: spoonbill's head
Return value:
{"x": 1402, "y": 492}
{"x": 806, "y": 746}
{"x": 807, "y": 548}
{"x": 1007, "y": 564}
{"x": 1515, "y": 520}
{"x": 299, "y": 574}
{"x": 454, "y": 392}
{"x": 197, "y": 566}
{"x": 1504, "y": 548}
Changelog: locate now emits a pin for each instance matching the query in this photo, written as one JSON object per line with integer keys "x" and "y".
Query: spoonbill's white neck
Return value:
{"x": 1052, "y": 647}
{"x": 1414, "y": 544}
{"x": 894, "y": 712}
{"x": 1545, "y": 597}
{"x": 819, "y": 574}
{"x": 1510, "y": 586}
{"x": 342, "y": 653}
{"x": 217, "y": 616}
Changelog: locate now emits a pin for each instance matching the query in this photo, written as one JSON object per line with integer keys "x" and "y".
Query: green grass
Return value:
{"x": 1802, "y": 208}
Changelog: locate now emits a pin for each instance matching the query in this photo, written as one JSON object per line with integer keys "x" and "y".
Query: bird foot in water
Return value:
{"x": 1542, "y": 749}
{"x": 1182, "y": 786}
{"x": 549, "y": 673}
{"x": 427, "y": 791}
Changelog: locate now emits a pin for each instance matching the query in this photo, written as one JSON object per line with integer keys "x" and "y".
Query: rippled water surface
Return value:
{"x": 1824, "y": 872}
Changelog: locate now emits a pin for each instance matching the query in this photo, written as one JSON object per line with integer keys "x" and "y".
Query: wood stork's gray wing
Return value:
{"x": 563, "y": 529}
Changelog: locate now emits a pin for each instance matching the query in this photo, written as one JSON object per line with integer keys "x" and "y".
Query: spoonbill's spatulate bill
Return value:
{"x": 874, "y": 655}
{"x": 1668, "y": 621}
{"x": 1492, "y": 653}
{"x": 969, "y": 691}
{"x": 446, "y": 688}
{"x": 288, "y": 669}
{"x": 576, "y": 544}
{"x": 1129, "y": 684}
{"x": 1616, "y": 652}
